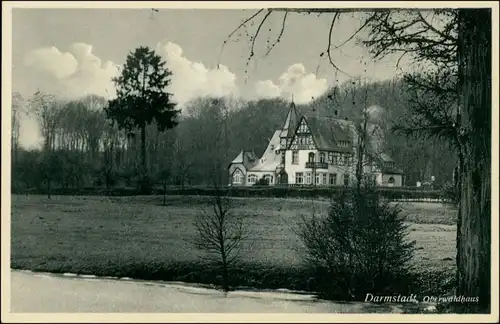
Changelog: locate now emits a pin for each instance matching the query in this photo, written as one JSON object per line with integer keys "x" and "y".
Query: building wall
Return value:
{"x": 292, "y": 169}
{"x": 398, "y": 180}
{"x": 233, "y": 168}
{"x": 261, "y": 174}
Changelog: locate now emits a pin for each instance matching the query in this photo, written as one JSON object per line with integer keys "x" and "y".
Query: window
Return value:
{"x": 303, "y": 128}
{"x": 333, "y": 178}
{"x": 308, "y": 177}
{"x": 316, "y": 180}
{"x": 283, "y": 157}
{"x": 311, "y": 157}
{"x": 299, "y": 178}
{"x": 346, "y": 179}
{"x": 322, "y": 157}
{"x": 330, "y": 157}
{"x": 295, "y": 157}
{"x": 324, "y": 179}
{"x": 340, "y": 160}
{"x": 268, "y": 178}
{"x": 335, "y": 157}
{"x": 347, "y": 159}
{"x": 252, "y": 179}
{"x": 391, "y": 180}
{"x": 237, "y": 177}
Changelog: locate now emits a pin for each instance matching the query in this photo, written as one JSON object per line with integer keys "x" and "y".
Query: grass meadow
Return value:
{"x": 138, "y": 237}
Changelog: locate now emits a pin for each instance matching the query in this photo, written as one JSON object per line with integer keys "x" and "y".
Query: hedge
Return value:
{"x": 261, "y": 191}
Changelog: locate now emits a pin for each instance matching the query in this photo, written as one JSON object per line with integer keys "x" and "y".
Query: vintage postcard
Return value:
{"x": 314, "y": 161}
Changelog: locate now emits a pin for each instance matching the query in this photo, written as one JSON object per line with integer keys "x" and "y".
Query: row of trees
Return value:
{"x": 86, "y": 149}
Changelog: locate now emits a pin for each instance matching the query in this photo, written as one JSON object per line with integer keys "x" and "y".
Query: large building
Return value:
{"x": 312, "y": 150}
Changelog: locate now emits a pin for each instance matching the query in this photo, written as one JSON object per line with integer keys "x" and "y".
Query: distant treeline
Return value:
{"x": 83, "y": 149}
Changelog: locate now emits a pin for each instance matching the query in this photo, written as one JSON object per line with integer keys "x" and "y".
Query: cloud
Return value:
{"x": 304, "y": 87}
{"x": 79, "y": 72}
{"x": 72, "y": 74}
{"x": 267, "y": 89}
{"x": 193, "y": 79}
{"x": 53, "y": 61}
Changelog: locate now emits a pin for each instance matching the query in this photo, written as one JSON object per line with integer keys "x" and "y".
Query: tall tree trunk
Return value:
{"x": 145, "y": 187}
{"x": 143, "y": 149}
{"x": 48, "y": 188}
{"x": 474, "y": 250}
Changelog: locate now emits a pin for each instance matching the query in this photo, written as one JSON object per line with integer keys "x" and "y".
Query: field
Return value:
{"x": 102, "y": 235}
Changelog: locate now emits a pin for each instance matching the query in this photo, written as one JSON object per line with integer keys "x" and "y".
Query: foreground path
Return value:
{"x": 32, "y": 292}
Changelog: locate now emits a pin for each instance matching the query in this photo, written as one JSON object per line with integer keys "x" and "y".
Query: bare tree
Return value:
{"x": 17, "y": 112}
{"x": 47, "y": 110}
{"x": 182, "y": 162}
{"x": 220, "y": 234}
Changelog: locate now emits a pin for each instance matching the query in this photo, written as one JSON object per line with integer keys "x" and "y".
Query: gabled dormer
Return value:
{"x": 303, "y": 137}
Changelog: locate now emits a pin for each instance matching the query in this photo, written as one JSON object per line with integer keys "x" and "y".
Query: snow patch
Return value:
{"x": 70, "y": 274}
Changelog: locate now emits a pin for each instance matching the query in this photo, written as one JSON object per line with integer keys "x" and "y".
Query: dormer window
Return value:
{"x": 390, "y": 164}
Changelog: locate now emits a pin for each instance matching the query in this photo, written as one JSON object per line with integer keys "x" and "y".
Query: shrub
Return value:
{"x": 360, "y": 247}
{"x": 262, "y": 182}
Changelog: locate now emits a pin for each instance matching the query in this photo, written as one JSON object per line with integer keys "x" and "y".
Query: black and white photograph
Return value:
{"x": 302, "y": 158}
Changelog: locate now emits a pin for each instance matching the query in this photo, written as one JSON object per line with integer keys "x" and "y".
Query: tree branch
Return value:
{"x": 279, "y": 36}
{"x": 445, "y": 36}
{"x": 368, "y": 20}
{"x": 235, "y": 30}
{"x": 334, "y": 19}
{"x": 254, "y": 38}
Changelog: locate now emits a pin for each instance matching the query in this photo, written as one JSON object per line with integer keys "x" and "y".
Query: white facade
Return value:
{"x": 332, "y": 175}
{"x": 311, "y": 152}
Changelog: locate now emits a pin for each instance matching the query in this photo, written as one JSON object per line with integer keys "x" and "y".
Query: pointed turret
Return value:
{"x": 289, "y": 126}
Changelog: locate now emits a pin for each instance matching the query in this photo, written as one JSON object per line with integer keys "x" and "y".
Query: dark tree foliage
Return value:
{"x": 142, "y": 97}
{"x": 50, "y": 164}
{"x": 360, "y": 247}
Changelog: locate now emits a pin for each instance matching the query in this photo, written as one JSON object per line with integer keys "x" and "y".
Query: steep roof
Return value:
{"x": 386, "y": 158}
{"x": 269, "y": 160}
{"x": 329, "y": 132}
{"x": 382, "y": 160}
{"x": 291, "y": 121}
{"x": 239, "y": 158}
{"x": 391, "y": 170}
{"x": 247, "y": 158}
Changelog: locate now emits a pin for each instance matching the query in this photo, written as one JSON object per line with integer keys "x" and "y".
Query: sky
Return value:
{"x": 75, "y": 52}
